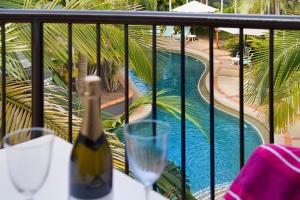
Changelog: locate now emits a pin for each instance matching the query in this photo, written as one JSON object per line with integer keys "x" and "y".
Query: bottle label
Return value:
{"x": 90, "y": 143}
{"x": 106, "y": 197}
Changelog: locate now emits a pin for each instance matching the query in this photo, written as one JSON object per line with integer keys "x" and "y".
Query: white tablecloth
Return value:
{"x": 56, "y": 185}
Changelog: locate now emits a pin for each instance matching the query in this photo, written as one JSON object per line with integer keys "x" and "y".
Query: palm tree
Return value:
{"x": 18, "y": 87}
{"x": 286, "y": 69}
{"x": 19, "y": 37}
{"x": 261, "y": 7}
{"x": 286, "y": 79}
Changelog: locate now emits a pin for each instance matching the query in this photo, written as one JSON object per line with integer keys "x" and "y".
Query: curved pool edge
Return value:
{"x": 204, "y": 92}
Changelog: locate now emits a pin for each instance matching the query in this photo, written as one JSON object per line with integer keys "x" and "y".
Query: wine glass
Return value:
{"x": 146, "y": 147}
{"x": 28, "y": 153}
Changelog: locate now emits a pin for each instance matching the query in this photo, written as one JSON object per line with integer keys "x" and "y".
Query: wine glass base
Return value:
{"x": 147, "y": 192}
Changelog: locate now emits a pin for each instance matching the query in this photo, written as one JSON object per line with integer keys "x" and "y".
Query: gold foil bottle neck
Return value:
{"x": 91, "y": 86}
{"x": 91, "y": 125}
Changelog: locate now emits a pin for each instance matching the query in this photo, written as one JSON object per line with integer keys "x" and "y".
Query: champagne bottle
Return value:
{"x": 91, "y": 160}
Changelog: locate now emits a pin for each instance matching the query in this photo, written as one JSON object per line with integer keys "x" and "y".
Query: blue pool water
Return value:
{"x": 197, "y": 146}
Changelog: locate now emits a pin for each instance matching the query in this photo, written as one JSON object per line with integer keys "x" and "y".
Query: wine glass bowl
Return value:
{"x": 28, "y": 153}
{"x": 146, "y": 147}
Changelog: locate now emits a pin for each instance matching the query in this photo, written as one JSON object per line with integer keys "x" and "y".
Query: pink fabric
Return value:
{"x": 271, "y": 173}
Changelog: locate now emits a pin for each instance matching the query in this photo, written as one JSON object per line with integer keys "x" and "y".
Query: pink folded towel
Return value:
{"x": 271, "y": 173}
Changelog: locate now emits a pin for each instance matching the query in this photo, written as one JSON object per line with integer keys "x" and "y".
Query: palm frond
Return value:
{"x": 166, "y": 102}
{"x": 262, "y": 7}
{"x": 169, "y": 183}
{"x": 18, "y": 114}
{"x": 286, "y": 79}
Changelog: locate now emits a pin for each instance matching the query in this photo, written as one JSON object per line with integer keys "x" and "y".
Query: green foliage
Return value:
{"x": 199, "y": 30}
{"x": 224, "y": 35}
{"x": 18, "y": 107}
{"x": 293, "y": 7}
{"x": 172, "y": 191}
{"x": 169, "y": 184}
{"x": 254, "y": 42}
{"x": 146, "y": 4}
{"x": 286, "y": 79}
{"x": 109, "y": 72}
{"x": 166, "y": 102}
{"x": 18, "y": 97}
{"x": 84, "y": 37}
{"x": 257, "y": 44}
{"x": 232, "y": 44}
{"x": 264, "y": 7}
{"x": 163, "y": 5}
{"x": 228, "y": 6}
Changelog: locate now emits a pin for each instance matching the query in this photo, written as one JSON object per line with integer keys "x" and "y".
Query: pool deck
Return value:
{"x": 226, "y": 81}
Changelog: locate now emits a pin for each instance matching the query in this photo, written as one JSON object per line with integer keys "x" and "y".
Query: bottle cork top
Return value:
{"x": 91, "y": 86}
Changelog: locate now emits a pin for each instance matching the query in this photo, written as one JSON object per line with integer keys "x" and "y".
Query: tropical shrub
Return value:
{"x": 163, "y": 5}
{"x": 232, "y": 44}
{"x": 109, "y": 72}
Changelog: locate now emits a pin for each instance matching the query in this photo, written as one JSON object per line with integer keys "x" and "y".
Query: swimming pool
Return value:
{"x": 197, "y": 146}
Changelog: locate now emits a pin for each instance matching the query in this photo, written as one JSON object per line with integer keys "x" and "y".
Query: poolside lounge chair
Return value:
{"x": 247, "y": 54}
{"x": 247, "y": 51}
{"x": 246, "y": 61}
{"x": 169, "y": 32}
{"x": 187, "y": 34}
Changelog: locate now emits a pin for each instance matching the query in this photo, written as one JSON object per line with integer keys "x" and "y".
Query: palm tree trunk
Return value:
{"x": 275, "y": 7}
{"x": 82, "y": 66}
{"x": 222, "y": 5}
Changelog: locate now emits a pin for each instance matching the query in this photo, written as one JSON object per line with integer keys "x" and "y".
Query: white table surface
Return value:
{"x": 56, "y": 185}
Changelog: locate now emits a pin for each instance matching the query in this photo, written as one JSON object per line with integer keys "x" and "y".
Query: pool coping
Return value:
{"x": 204, "y": 92}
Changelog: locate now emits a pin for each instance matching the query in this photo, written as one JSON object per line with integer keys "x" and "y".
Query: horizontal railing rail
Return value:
{"x": 37, "y": 18}
{"x": 151, "y": 18}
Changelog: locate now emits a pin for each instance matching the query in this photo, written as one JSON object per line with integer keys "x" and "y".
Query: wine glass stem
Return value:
{"x": 147, "y": 192}
{"x": 28, "y": 196}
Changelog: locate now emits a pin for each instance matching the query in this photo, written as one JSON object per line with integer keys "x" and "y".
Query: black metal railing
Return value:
{"x": 211, "y": 115}
{"x": 38, "y": 17}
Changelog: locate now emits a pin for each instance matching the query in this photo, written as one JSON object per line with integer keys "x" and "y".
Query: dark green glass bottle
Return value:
{"x": 91, "y": 159}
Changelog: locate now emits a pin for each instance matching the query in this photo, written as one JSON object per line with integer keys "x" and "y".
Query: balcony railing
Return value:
{"x": 37, "y": 18}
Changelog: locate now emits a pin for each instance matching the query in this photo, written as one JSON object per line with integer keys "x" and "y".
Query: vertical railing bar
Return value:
{"x": 182, "y": 86}
{"x": 154, "y": 114}
{"x": 271, "y": 85}
{"x": 3, "y": 86}
{"x": 98, "y": 43}
{"x": 126, "y": 87}
{"x": 70, "y": 69}
{"x": 37, "y": 98}
{"x": 241, "y": 92}
{"x": 211, "y": 113}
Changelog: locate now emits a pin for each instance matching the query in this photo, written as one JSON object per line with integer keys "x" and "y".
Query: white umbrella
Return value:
{"x": 195, "y": 7}
{"x": 247, "y": 31}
